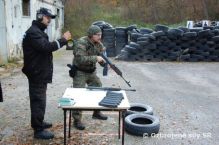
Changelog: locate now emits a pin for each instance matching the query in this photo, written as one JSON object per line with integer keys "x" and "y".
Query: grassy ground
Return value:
{"x": 77, "y": 24}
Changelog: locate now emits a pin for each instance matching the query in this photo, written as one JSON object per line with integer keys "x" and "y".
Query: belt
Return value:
{"x": 86, "y": 70}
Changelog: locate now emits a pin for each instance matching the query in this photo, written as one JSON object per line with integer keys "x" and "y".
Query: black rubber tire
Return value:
{"x": 199, "y": 57}
{"x": 192, "y": 42}
{"x": 216, "y": 27}
{"x": 206, "y": 54}
{"x": 143, "y": 39}
{"x": 158, "y": 34}
{"x": 172, "y": 37}
{"x": 176, "y": 32}
{"x": 145, "y": 31}
{"x": 142, "y": 124}
{"x": 133, "y": 44}
{"x": 193, "y": 60}
{"x": 211, "y": 43}
{"x": 99, "y": 23}
{"x": 185, "y": 30}
{"x": 215, "y": 31}
{"x": 118, "y": 45}
{"x": 190, "y": 34}
{"x": 151, "y": 46}
{"x": 108, "y": 41}
{"x": 135, "y": 31}
{"x": 148, "y": 57}
{"x": 107, "y": 26}
{"x": 160, "y": 27}
{"x": 164, "y": 38}
{"x": 213, "y": 57}
{"x": 174, "y": 54}
{"x": 176, "y": 48}
{"x": 109, "y": 32}
{"x": 162, "y": 48}
{"x": 143, "y": 43}
{"x": 130, "y": 49}
{"x": 111, "y": 53}
{"x": 187, "y": 56}
{"x": 159, "y": 43}
{"x": 214, "y": 53}
{"x": 203, "y": 33}
{"x": 195, "y": 30}
{"x": 215, "y": 38}
{"x": 185, "y": 45}
{"x": 136, "y": 35}
{"x": 172, "y": 44}
{"x": 121, "y": 34}
{"x": 121, "y": 29}
{"x": 208, "y": 28}
{"x": 131, "y": 27}
{"x": 151, "y": 37}
{"x": 139, "y": 108}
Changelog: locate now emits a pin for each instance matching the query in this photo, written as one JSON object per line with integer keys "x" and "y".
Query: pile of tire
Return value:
{"x": 139, "y": 120}
{"x": 109, "y": 41}
{"x": 168, "y": 44}
{"x": 121, "y": 39}
{"x": 114, "y": 39}
{"x": 108, "y": 37}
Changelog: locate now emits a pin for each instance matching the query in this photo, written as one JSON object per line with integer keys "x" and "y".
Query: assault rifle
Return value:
{"x": 116, "y": 69}
{"x": 108, "y": 89}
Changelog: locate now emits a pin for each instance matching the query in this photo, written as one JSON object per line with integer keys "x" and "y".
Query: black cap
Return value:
{"x": 46, "y": 12}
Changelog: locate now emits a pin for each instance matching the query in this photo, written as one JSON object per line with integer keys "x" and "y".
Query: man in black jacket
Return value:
{"x": 38, "y": 67}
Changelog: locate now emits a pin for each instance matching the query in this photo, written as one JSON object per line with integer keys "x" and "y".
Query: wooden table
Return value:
{"x": 88, "y": 100}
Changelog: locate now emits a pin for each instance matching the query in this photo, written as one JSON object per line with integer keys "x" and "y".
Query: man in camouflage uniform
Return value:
{"x": 86, "y": 56}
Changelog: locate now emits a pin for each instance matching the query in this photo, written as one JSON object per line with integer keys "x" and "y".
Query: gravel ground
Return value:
{"x": 183, "y": 95}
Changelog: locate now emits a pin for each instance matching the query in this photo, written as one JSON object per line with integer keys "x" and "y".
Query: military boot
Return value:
{"x": 99, "y": 115}
{"x": 43, "y": 134}
{"x": 79, "y": 125}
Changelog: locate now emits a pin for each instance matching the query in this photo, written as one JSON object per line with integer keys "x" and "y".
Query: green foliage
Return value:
{"x": 79, "y": 16}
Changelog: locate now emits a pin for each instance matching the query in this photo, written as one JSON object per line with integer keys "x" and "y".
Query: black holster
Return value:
{"x": 73, "y": 71}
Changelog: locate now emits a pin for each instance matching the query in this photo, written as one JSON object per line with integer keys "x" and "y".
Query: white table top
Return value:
{"x": 89, "y": 99}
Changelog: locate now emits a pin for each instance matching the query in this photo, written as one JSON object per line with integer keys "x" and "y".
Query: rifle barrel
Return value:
{"x": 109, "y": 89}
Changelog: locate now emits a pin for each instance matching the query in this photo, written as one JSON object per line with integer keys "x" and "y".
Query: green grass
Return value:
{"x": 78, "y": 25}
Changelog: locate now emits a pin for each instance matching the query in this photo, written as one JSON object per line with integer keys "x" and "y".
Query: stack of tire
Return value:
{"x": 109, "y": 41}
{"x": 139, "y": 120}
{"x": 102, "y": 25}
{"x": 121, "y": 39}
{"x": 108, "y": 37}
{"x": 202, "y": 46}
{"x": 179, "y": 44}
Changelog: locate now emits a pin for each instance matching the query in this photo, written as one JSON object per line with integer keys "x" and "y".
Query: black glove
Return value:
{"x": 72, "y": 71}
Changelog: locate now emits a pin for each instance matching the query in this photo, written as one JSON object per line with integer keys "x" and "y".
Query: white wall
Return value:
{"x": 17, "y": 24}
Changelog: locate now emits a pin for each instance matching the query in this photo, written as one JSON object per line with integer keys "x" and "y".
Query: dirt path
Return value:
{"x": 183, "y": 95}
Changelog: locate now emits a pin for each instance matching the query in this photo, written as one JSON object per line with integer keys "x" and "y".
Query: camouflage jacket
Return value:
{"x": 85, "y": 54}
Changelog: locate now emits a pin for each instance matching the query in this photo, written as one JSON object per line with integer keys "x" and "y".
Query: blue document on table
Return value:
{"x": 66, "y": 102}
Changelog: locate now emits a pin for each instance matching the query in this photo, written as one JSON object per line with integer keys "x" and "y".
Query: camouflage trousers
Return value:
{"x": 80, "y": 80}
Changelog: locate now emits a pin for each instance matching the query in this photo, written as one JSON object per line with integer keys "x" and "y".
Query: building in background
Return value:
{"x": 16, "y": 17}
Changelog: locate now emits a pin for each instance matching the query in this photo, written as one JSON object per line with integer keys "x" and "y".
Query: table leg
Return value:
{"x": 119, "y": 129}
{"x": 69, "y": 125}
{"x": 65, "y": 126}
{"x": 123, "y": 127}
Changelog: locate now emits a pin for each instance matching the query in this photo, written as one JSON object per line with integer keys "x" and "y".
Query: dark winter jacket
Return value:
{"x": 38, "y": 59}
